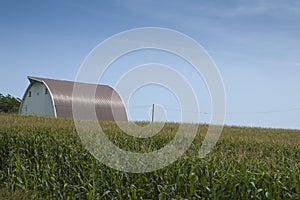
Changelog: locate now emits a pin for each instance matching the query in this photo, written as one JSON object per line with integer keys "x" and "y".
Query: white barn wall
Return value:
{"x": 40, "y": 102}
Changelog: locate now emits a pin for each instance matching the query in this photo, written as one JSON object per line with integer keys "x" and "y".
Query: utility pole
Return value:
{"x": 152, "y": 112}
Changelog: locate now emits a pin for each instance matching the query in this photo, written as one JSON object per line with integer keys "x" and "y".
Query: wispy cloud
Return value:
{"x": 197, "y": 10}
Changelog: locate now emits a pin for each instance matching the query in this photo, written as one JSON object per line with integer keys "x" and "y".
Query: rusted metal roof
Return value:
{"x": 62, "y": 95}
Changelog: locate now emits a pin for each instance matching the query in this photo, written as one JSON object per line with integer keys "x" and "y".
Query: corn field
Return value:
{"x": 43, "y": 158}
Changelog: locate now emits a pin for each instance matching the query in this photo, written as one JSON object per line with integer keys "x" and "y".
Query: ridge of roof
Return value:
{"x": 41, "y": 79}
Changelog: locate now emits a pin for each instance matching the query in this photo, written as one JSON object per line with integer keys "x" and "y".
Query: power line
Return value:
{"x": 268, "y": 111}
{"x": 227, "y": 113}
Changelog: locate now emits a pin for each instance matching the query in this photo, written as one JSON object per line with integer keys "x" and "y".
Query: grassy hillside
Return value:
{"x": 43, "y": 158}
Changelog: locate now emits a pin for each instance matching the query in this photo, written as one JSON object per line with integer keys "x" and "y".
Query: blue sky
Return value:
{"x": 255, "y": 45}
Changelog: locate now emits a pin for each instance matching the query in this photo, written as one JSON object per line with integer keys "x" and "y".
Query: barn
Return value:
{"x": 54, "y": 98}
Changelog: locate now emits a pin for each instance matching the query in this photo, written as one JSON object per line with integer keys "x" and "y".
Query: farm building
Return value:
{"x": 54, "y": 98}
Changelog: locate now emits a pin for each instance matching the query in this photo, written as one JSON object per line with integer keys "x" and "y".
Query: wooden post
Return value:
{"x": 152, "y": 112}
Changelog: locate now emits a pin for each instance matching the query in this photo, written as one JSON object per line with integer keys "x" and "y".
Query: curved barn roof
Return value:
{"x": 62, "y": 98}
